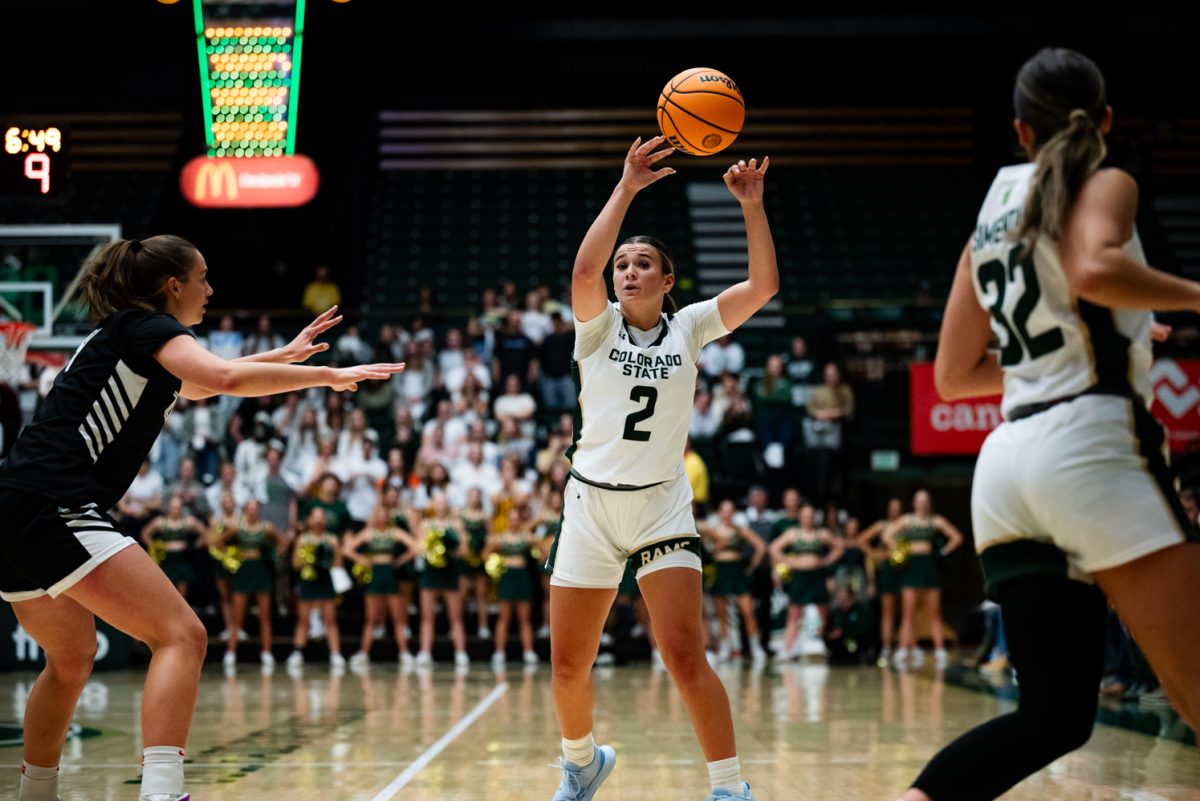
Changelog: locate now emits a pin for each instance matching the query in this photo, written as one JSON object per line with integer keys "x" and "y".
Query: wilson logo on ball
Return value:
{"x": 701, "y": 111}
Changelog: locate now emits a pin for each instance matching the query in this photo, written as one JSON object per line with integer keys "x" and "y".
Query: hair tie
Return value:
{"x": 1078, "y": 112}
{"x": 135, "y": 245}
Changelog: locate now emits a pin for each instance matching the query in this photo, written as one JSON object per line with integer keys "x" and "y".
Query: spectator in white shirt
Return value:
{"x": 361, "y": 471}
{"x": 473, "y": 472}
{"x": 250, "y": 458}
{"x": 229, "y": 482}
{"x": 515, "y": 403}
{"x": 350, "y": 348}
{"x": 263, "y": 339}
{"x": 454, "y": 378}
{"x": 722, "y": 356}
{"x": 452, "y": 355}
{"x": 535, "y": 323}
{"x": 706, "y": 420}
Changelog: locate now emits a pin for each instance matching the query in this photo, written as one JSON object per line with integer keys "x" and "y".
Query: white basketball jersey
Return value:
{"x": 636, "y": 401}
{"x": 1053, "y": 344}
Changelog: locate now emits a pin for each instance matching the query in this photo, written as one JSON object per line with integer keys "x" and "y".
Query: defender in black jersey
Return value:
{"x": 62, "y": 558}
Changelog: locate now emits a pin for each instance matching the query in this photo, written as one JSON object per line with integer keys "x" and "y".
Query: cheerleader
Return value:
{"x": 807, "y": 553}
{"x": 253, "y": 577}
{"x": 314, "y": 555}
{"x": 386, "y": 547}
{"x": 507, "y": 555}
{"x": 442, "y": 542}
{"x": 729, "y": 541}
{"x": 171, "y": 532}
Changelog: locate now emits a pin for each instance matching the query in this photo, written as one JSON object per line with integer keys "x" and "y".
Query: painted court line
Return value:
{"x": 389, "y": 792}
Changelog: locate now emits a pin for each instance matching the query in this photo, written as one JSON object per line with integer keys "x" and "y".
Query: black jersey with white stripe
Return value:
{"x": 99, "y": 420}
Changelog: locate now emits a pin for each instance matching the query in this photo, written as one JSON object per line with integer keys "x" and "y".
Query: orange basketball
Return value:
{"x": 700, "y": 111}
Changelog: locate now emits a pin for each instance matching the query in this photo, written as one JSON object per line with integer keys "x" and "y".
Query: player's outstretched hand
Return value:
{"x": 641, "y": 157}
{"x": 302, "y": 348}
{"x": 745, "y": 181}
{"x": 348, "y": 377}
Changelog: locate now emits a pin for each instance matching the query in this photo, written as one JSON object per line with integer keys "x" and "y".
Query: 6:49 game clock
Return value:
{"x": 33, "y": 160}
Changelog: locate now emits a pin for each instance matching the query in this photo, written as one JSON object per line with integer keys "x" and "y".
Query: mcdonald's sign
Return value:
{"x": 249, "y": 183}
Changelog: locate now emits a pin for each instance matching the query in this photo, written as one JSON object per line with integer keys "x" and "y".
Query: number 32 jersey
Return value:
{"x": 635, "y": 401}
{"x": 1053, "y": 344}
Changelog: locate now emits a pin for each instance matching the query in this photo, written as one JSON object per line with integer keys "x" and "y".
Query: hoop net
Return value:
{"x": 14, "y": 343}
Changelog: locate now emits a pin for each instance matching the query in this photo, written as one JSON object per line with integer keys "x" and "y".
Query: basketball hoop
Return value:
{"x": 14, "y": 343}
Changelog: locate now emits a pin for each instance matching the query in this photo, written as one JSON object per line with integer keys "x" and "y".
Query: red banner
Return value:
{"x": 1177, "y": 401}
{"x": 941, "y": 427}
{"x": 947, "y": 427}
{"x": 249, "y": 183}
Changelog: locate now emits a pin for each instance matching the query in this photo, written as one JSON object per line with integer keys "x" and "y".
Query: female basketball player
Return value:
{"x": 887, "y": 579}
{"x": 729, "y": 541}
{"x": 628, "y": 495}
{"x": 253, "y": 578}
{"x": 386, "y": 548}
{"x": 64, "y": 558}
{"x": 920, "y": 576}
{"x": 1073, "y": 490}
{"x": 175, "y": 529}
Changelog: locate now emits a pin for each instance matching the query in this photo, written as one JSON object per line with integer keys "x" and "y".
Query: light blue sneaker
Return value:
{"x": 580, "y": 784}
{"x": 721, "y": 792}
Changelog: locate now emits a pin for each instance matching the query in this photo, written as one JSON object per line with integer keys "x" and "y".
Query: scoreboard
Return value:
{"x": 33, "y": 161}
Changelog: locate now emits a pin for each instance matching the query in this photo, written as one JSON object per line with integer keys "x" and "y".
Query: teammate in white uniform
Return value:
{"x": 628, "y": 496}
{"x": 1073, "y": 489}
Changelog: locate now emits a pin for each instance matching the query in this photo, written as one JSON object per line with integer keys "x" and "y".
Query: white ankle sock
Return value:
{"x": 38, "y": 784}
{"x": 580, "y": 752}
{"x": 162, "y": 770}
{"x": 726, "y": 773}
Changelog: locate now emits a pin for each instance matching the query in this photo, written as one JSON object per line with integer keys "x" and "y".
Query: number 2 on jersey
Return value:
{"x": 637, "y": 395}
{"x": 1020, "y": 341}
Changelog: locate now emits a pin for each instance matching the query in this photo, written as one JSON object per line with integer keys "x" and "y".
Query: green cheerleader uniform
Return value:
{"x": 175, "y": 564}
{"x": 408, "y": 570}
{"x": 476, "y": 541}
{"x": 731, "y": 578}
{"x": 514, "y": 584}
{"x": 807, "y": 586}
{"x": 321, "y": 587}
{"x": 383, "y": 574}
{"x": 921, "y": 571}
{"x": 442, "y": 578}
{"x": 253, "y": 577}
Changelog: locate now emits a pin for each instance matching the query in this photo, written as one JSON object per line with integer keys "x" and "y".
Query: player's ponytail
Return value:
{"x": 668, "y": 266}
{"x": 1060, "y": 94}
{"x": 132, "y": 273}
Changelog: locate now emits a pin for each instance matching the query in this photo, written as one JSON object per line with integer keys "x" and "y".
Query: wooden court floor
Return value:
{"x": 805, "y": 732}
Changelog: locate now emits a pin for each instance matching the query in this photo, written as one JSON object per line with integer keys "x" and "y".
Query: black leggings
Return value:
{"x": 1055, "y": 631}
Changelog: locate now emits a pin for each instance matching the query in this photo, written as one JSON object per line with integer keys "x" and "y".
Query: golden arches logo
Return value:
{"x": 211, "y": 176}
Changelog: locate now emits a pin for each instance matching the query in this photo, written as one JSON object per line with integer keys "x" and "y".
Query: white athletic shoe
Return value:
{"x": 656, "y": 659}
{"x": 900, "y": 658}
{"x": 224, "y": 635}
{"x": 295, "y": 659}
{"x": 378, "y": 633}
{"x": 721, "y": 793}
{"x": 162, "y": 797}
{"x": 605, "y": 639}
{"x": 941, "y": 658}
{"x": 918, "y": 657}
{"x": 604, "y": 659}
{"x": 267, "y": 659}
{"x": 229, "y": 660}
{"x": 243, "y": 636}
{"x": 885, "y": 658}
{"x": 359, "y": 660}
{"x": 543, "y": 631}
{"x": 758, "y": 656}
{"x": 638, "y": 631}
{"x": 424, "y": 659}
{"x": 713, "y": 659}
{"x": 530, "y": 657}
{"x": 483, "y": 633}
{"x": 498, "y": 660}
{"x": 461, "y": 659}
{"x": 407, "y": 660}
{"x": 337, "y": 661}
{"x": 724, "y": 652}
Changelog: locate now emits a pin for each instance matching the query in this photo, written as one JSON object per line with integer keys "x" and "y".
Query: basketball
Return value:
{"x": 700, "y": 111}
